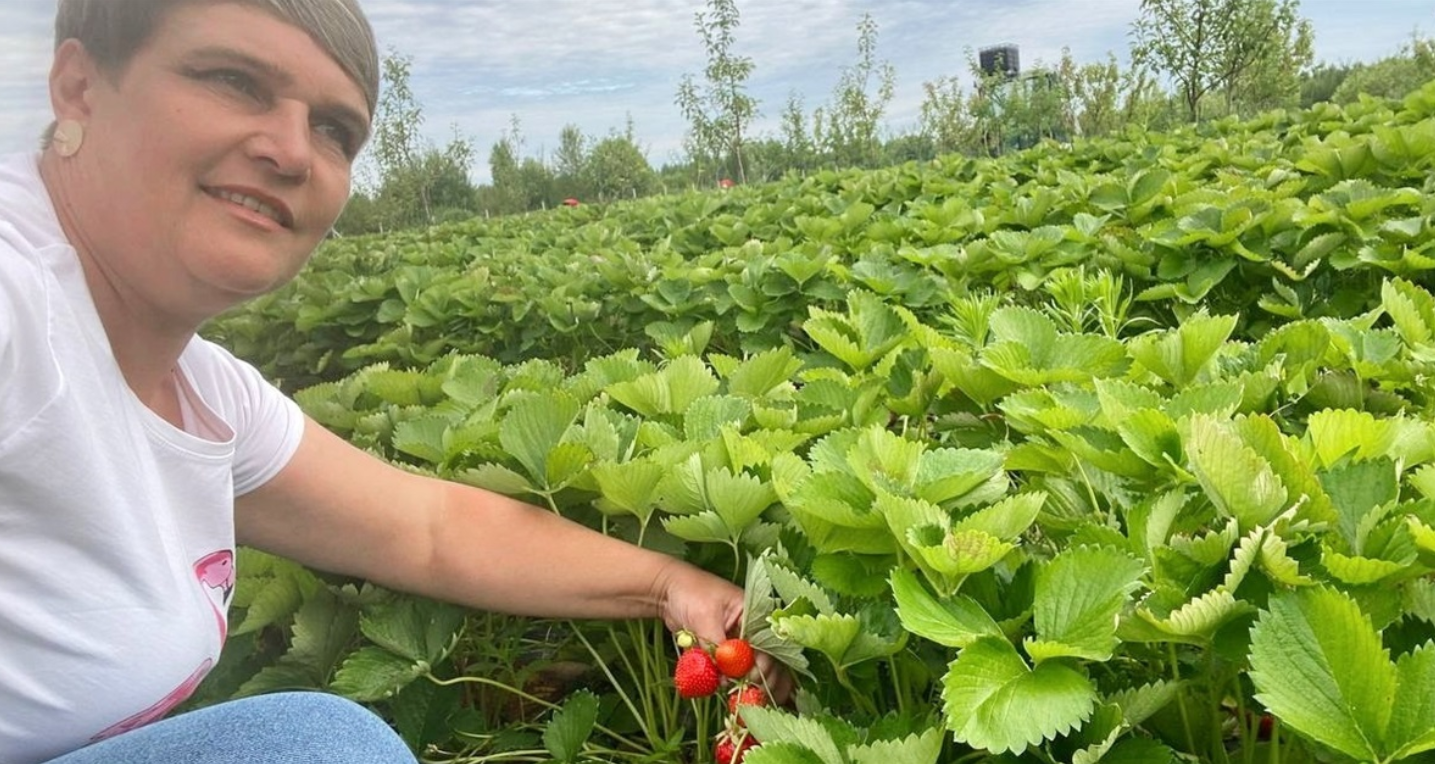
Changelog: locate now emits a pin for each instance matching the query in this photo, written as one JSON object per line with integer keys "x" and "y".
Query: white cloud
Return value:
{"x": 596, "y": 63}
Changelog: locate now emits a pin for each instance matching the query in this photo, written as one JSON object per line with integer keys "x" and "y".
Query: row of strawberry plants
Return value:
{"x": 996, "y": 538}
{"x": 1301, "y": 214}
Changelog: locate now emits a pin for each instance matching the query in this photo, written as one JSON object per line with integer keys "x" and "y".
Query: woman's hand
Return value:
{"x": 710, "y": 607}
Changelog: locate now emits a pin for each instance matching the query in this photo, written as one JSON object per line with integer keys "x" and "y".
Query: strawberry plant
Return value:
{"x": 1121, "y": 453}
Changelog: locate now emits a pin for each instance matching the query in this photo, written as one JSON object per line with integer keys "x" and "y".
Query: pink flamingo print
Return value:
{"x": 158, "y": 710}
{"x": 215, "y": 571}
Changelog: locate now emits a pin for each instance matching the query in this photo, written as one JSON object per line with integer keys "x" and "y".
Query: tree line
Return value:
{"x": 1190, "y": 60}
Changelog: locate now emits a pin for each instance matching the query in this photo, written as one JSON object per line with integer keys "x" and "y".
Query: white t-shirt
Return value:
{"x": 116, "y": 528}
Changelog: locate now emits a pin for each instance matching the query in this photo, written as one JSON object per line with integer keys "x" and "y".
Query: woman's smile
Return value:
{"x": 257, "y": 203}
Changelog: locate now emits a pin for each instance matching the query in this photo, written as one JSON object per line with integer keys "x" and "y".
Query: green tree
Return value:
{"x": 1320, "y": 83}
{"x": 520, "y": 183}
{"x": 850, "y": 125}
{"x": 796, "y": 140}
{"x": 417, "y": 183}
{"x": 570, "y": 162}
{"x": 1017, "y": 112}
{"x": 1390, "y": 77}
{"x": 944, "y": 118}
{"x": 1226, "y": 46}
{"x": 720, "y": 110}
{"x": 1094, "y": 95}
{"x": 617, "y": 169}
{"x": 504, "y": 197}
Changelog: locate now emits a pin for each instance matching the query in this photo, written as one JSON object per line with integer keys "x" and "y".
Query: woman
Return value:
{"x": 201, "y": 150}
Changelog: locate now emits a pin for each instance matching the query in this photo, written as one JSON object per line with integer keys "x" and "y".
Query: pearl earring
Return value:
{"x": 68, "y": 136}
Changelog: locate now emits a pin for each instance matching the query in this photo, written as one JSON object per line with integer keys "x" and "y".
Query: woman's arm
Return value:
{"x": 337, "y": 508}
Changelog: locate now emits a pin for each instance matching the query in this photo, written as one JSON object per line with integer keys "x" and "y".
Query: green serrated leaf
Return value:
{"x": 1412, "y": 720}
{"x": 759, "y": 375}
{"x": 953, "y": 622}
{"x": 628, "y": 487}
{"x": 1079, "y": 594}
{"x": 1178, "y": 355}
{"x": 272, "y": 593}
{"x": 1337, "y": 434}
{"x": 1007, "y": 519}
{"x": 571, "y": 726}
{"x": 373, "y": 673}
{"x": 842, "y": 637}
{"x": 924, "y": 748}
{"x": 791, "y": 587}
{"x": 420, "y": 630}
{"x": 1138, "y": 704}
{"x": 423, "y": 438}
{"x": 1198, "y": 620}
{"x": 799, "y": 740}
{"x": 994, "y": 701}
{"x": 739, "y": 499}
{"x": 947, "y": 474}
{"x": 669, "y": 391}
{"x": 707, "y": 416}
{"x": 1238, "y": 480}
{"x": 534, "y": 426}
{"x": 1318, "y": 664}
{"x": 1360, "y": 571}
{"x": 703, "y": 528}
{"x": 497, "y": 478}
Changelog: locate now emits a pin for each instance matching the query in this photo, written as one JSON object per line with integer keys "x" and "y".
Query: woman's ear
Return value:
{"x": 73, "y": 74}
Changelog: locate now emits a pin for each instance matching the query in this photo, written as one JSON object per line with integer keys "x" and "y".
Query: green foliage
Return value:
{"x": 1251, "y": 51}
{"x": 719, "y": 112}
{"x": 847, "y": 129}
{"x": 1391, "y": 77}
{"x": 1093, "y": 455}
{"x": 416, "y": 184}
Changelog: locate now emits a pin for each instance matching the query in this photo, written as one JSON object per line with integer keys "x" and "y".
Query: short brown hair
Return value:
{"x": 112, "y": 31}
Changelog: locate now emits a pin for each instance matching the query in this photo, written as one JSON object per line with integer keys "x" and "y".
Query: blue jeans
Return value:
{"x": 283, "y": 728}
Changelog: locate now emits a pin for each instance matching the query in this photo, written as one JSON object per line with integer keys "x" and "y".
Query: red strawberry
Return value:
{"x": 746, "y": 695}
{"x": 696, "y": 675}
{"x": 734, "y": 657}
{"x": 731, "y": 751}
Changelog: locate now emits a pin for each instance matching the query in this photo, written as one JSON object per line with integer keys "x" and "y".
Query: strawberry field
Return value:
{"x": 1113, "y": 452}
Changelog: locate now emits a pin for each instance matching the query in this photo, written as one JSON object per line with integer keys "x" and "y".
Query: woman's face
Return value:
{"x": 216, "y": 161}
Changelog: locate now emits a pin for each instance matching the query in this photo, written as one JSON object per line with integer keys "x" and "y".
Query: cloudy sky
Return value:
{"x": 595, "y": 63}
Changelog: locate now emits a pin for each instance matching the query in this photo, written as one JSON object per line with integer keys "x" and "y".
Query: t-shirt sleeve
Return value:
{"x": 267, "y": 424}
{"x": 29, "y": 377}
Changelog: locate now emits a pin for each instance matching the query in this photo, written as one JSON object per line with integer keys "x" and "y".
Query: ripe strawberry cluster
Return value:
{"x": 699, "y": 673}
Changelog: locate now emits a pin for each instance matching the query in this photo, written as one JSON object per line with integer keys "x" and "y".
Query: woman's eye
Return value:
{"x": 232, "y": 79}
{"x": 337, "y": 133}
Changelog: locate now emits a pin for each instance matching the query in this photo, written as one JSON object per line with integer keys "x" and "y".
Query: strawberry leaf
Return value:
{"x": 1079, "y": 595}
{"x": 420, "y": 630}
{"x": 1412, "y": 719}
{"x": 571, "y": 726}
{"x": 763, "y": 373}
{"x": 628, "y": 487}
{"x": 497, "y": 478}
{"x": 924, "y": 748}
{"x": 1319, "y": 665}
{"x": 669, "y": 391}
{"x": 953, "y": 622}
{"x": 808, "y": 740}
{"x": 706, "y": 417}
{"x": 1178, "y": 355}
{"x": 994, "y": 701}
{"x": 534, "y": 426}
{"x": 1337, "y": 434}
{"x": 373, "y": 673}
{"x": 1238, "y": 481}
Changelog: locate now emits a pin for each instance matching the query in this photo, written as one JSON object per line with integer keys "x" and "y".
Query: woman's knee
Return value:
{"x": 337, "y": 725}
{"x": 280, "y": 728}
